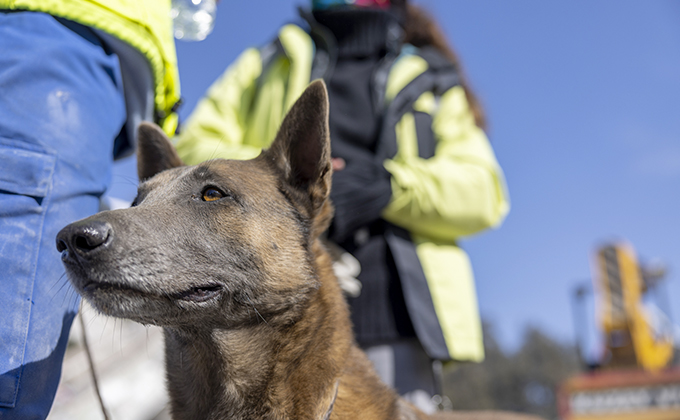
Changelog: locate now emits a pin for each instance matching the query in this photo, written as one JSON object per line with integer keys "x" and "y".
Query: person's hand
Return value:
{"x": 361, "y": 190}
{"x": 338, "y": 164}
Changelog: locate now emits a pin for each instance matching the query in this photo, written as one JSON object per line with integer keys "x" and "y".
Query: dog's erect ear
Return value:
{"x": 155, "y": 152}
{"x": 302, "y": 148}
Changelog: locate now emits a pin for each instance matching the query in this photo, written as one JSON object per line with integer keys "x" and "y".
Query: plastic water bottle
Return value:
{"x": 193, "y": 20}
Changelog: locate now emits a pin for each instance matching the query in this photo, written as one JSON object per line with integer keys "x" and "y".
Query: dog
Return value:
{"x": 226, "y": 257}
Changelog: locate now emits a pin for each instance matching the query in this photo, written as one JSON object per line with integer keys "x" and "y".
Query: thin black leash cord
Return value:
{"x": 92, "y": 371}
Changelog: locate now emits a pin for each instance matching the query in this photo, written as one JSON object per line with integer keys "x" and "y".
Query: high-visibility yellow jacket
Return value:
{"x": 458, "y": 191}
{"x": 143, "y": 24}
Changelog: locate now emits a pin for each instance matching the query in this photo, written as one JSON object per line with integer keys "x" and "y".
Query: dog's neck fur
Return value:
{"x": 212, "y": 373}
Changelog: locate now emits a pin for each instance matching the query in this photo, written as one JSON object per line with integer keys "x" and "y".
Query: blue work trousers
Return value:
{"x": 61, "y": 109}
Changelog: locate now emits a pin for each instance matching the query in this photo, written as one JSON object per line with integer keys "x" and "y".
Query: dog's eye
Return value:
{"x": 212, "y": 194}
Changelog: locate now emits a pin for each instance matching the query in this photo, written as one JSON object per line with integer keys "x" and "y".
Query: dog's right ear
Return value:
{"x": 302, "y": 149}
{"x": 155, "y": 152}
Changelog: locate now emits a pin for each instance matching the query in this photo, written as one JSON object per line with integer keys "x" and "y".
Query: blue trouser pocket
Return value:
{"x": 24, "y": 186}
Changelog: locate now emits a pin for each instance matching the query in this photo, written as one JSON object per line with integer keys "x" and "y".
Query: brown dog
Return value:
{"x": 226, "y": 257}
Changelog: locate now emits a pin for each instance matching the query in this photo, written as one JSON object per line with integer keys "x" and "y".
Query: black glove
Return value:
{"x": 359, "y": 193}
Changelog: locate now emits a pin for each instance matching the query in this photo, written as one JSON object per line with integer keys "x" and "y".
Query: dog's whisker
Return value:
{"x": 255, "y": 309}
{"x": 130, "y": 180}
{"x": 146, "y": 342}
{"x": 120, "y": 338}
{"x": 113, "y": 334}
{"x": 74, "y": 296}
{"x": 93, "y": 317}
{"x": 69, "y": 292}
{"x": 106, "y": 323}
{"x": 214, "y": 152}
{"x": 67, "y": 296}
{"x": 64, "y": 283}
{"x": 57, "y": 281}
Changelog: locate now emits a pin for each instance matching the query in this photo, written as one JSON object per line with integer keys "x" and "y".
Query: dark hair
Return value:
{"x": 420, "y": 30}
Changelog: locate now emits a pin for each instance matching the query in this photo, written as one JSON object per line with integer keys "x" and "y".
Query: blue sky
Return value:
{"x": 583, "y": 100}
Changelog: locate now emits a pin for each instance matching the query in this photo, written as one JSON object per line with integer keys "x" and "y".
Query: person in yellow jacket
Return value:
{"x": 414, "y": 169}
{"x": 76, "y": 77}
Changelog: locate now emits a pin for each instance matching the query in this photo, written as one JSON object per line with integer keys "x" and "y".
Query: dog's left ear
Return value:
{"x": 155, "y": 152}
{"x": 302, "y": 148}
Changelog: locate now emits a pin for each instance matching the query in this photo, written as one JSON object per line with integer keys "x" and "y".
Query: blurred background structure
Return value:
{"x": 583, "y": 101}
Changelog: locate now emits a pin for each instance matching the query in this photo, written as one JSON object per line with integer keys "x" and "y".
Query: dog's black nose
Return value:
{"x": 83, "y": 237}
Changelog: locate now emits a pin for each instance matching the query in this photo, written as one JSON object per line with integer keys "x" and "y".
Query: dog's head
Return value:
{"x": 225, "y": 243}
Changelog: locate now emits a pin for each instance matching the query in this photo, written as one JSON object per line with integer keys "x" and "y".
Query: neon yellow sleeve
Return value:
{"x": 216, "y": 128}
{"x": 459, "y": 191}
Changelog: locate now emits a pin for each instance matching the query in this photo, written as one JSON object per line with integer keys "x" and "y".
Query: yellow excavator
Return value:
{"x": 634, "y": 378}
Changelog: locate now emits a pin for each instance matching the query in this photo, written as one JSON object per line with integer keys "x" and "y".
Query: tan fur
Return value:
{"x": 255, "y": 324}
